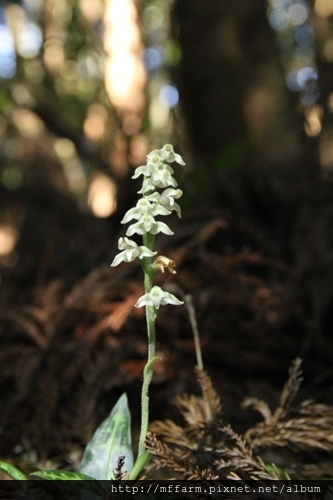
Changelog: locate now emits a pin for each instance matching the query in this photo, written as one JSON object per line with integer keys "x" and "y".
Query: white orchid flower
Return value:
{"x": 147, "y": 185}
{"x": 157, "y": 297}
{"x": 145, "y": 207}
{"x": 169, "y": 195}
{"x": 142, "y": 170}
{"x": 147, "y": 224}
{"x": 162, "y": 179}
{"x": 154, "y": 162}
{"x": 130, "y": 251}
{"x": 167, "y": 153}
{"x": 167, "y": 199}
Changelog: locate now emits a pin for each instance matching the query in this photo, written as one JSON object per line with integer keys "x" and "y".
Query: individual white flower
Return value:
{"x": 142, "y": 170}
{"x": 174, "y": 207}
{"x": 162, "y": 178}
{"x": 130, "y": 251}
{"x": 157, "y": 297}
{"x": 144, "y": 207}
{"x": 169, "y": 195}
{"x": 159, "y": 209}
{"x": 167, "y": 153}
{"x": 162, "y": 166}
{"x": 147, "y": 185}
{"x": 147, "y": 224}
{"x": 155, "y": 161}
{"x": 167, "y": 199}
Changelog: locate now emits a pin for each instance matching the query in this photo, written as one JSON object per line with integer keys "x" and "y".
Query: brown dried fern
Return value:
{"x": 196, "y": 410}
{"x": 205, "y": 446}
{"x": 311, "y": 428}
{"x": 307, "y": 427}
{"x": 287, "y": 397}
{"x": 289, "y": 390}
{"x": 236, "y": 460}
{"x": 213, "y": 402}
{"x": 172, "y": 433}
{"x": 177, "y": 460}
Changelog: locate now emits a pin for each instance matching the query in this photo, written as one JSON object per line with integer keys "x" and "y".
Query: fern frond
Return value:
{"x": 259, "y": 406}
{"x": 237, "y": 457}
{"x": 177, "y": 460}
{"x": 172, "y": 433}
{"x": 289, "y": 390}
{"x": 213, "y": 403}
{"x": 166, "y": 457}
{"x": 310, "y": 428}
{"x": 192, "y": 408}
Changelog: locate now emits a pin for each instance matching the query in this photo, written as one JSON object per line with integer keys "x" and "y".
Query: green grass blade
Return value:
{"x": 273, "y": 469}
{"x": 111, "y": 440}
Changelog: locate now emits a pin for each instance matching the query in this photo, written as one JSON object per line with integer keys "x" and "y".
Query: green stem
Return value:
{"x": 148, "y": 241}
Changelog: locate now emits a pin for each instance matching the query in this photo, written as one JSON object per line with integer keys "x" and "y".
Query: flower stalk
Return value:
{"x": 159, "y": 192}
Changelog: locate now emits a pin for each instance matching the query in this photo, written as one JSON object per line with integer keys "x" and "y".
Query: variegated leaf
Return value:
{"x": 111, "y": 440}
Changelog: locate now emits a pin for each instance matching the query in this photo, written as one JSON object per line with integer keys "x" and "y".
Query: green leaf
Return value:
{"x": 70, "y": 480}
{"x": 111, "y": 440}
{"x": 61, "y": 475}
{"x": 12, "y": 471}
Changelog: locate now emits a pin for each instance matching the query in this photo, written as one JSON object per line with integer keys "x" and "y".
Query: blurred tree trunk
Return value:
{"x": 231, "y": 83}
{"x": 242, "y": 121}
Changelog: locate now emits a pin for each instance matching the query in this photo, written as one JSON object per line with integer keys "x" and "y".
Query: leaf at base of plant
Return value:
{"x": 111, "y": 440}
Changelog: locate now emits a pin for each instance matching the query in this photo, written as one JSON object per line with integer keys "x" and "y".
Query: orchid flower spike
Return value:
{"x": 158, "y": 194}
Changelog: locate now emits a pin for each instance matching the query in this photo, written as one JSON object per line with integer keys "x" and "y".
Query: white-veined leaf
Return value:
{"x": 111, "y": 440}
